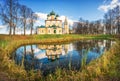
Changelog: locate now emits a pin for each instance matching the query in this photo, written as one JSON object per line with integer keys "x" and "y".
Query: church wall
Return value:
{"x": 41, "y": 30}
{"x": 50, "y": 31}
{"x": 59, "y": 31}
{"x": 66, "y": 29}
{"x": 54, "y": 31}
{"x": 53, "y": 22}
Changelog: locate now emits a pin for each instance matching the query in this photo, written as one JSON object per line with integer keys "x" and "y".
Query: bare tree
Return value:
{"x": 110, "y": 24}
{"x": 7, "y": 13}
{"x": 24, "y": 16}
{"x": 117, "y": 19}
{"x": 14, "y": 14}
{"x": 112, "y": 21}
{"x": 33, "y": 18}
{"x": 16, "y": 17}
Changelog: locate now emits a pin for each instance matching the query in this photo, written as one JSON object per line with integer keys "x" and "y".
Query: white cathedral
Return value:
{"x": 53, "y": 25}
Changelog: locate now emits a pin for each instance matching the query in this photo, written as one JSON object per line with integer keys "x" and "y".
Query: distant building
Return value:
{"x": 53, "y": 25}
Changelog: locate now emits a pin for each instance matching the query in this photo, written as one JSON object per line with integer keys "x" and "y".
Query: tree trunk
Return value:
{"x": 31, "y": 27}
{"x": 31, "y": 31}
{"x": 10, "y": 31}
{"x": 24, "y": 30}
{"x": 14, "y": 30}
{"x": 10, "y": 8}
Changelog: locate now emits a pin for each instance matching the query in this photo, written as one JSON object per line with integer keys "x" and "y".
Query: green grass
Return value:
{"x": 5, "y": 39}
{"x": 3, "y": 43}
{"x": 104, "y": 68}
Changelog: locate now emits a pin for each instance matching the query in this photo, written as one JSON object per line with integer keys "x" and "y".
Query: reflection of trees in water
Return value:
{"x": 24, "y": 58}
{"x": 28, "y": 58}
{"x": 18, "y": 55}
{"x": 85, "y": 44}
{"x": 91, "y": 45}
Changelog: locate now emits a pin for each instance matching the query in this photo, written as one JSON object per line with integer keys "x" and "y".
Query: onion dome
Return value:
{"x": 52, "y": 13}
{"x": 57, "y": 15}
{"x": 48, "y": 15}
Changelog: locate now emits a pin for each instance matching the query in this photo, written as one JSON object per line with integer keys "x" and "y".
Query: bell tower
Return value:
{"x": 66, "y": 27}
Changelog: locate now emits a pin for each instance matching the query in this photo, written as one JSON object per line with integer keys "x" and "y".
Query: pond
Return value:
{"x": 47, "y": 58}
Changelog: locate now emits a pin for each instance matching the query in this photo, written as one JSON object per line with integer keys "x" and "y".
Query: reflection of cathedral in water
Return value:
{"x": 54, "y": 51}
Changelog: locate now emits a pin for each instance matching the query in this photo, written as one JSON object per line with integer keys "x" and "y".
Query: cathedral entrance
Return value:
{"x": 54, "y": 31}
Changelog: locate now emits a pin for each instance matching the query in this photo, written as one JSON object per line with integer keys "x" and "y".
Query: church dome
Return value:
{"x": 57, "y": 15}
{"x": 52, "y": 13}
{"x": 48, "y": 15}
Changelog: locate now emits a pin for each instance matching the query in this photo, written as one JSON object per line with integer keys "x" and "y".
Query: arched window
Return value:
{"x": 59, "y": 31}
{"x": 54, "y": 31}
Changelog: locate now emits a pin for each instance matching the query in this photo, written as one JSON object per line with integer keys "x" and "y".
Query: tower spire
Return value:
{"x": 66, "y": 27}
{"x": 65, "y": 22}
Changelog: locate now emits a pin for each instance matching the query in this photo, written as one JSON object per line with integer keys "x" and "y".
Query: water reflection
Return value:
{"x": 52, "y": 51}
{"x": 70, "y": 56}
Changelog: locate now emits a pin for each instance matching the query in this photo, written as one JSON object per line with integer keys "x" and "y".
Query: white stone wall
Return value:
{"x": 41, "y": 31}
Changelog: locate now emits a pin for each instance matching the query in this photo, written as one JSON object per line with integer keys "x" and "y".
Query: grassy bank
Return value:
{"x": 104, "y": 68}
{"x": 6, "y": 39}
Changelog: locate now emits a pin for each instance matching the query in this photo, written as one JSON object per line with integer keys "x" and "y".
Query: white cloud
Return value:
{"x": 42, "y": 16}
{"x": 2, "y": 26}
{"x": 62, "y": 18}
{"x": 114, "y": 1}
{"x": 3, "y": 29}
{"x": 70, "y": 21}
{"x": 104, "y": 8}
{"x": 39, "y": 22}
{"x": 110, "y": 5}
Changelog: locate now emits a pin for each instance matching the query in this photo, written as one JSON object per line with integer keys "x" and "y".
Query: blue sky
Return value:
{"x": 87, "y": 9}
{"x": 73, "y": 9}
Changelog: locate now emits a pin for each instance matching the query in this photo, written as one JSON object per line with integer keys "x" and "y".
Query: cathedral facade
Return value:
{"x": 53, "y": 25}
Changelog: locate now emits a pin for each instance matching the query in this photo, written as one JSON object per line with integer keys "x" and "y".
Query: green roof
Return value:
{"x": 41, "y": 26}
{"x": 54, "y": 26}
{"x": 52, "y": 13}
